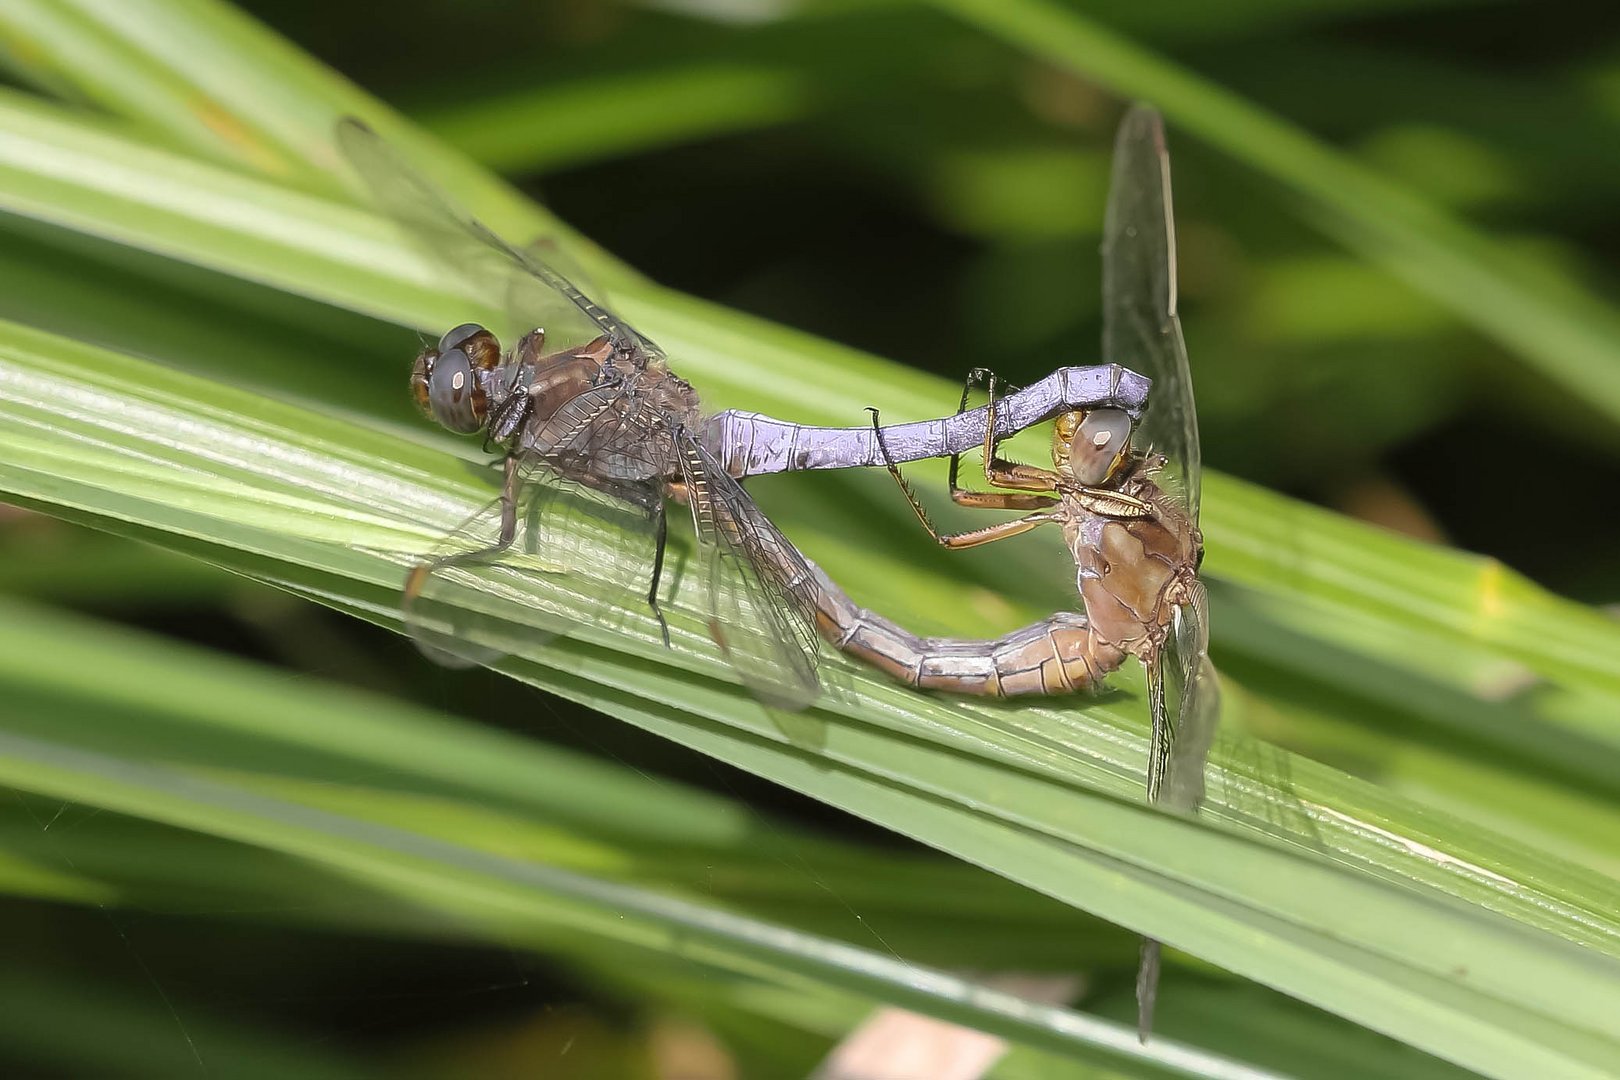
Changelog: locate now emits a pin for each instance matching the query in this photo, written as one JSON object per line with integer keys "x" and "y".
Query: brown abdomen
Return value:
{"x": 1060, "y": 654}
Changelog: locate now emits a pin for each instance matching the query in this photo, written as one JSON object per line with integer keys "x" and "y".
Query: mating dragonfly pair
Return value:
{"x": 599, "y": 436}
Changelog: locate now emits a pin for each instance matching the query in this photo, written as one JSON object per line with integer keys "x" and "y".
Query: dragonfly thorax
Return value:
{"x": 450, "y": 380}
{"x": 1133, "y": 571}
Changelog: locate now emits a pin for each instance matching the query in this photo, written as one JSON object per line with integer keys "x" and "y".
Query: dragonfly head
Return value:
{"x": 448, "y": 380}
{"x": 1091, "y": 445}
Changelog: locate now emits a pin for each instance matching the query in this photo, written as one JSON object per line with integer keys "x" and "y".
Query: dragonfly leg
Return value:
{"x": 974, "y": 537}
{"x": 649, "y": 499}
{"x": 998, "y": 472}
{"x": 660, "y": 536}
{"x": 1001, "y": 500}
{"x": 420, "y": 573}
{"x": 999, "y": 531}
{"x": 1029, "y": 485}
{"x": 508, "y": 419}
{"x": 990, "y": 499}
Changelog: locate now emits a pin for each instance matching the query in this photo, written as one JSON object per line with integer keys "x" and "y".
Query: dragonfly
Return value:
{"x": 1124, "y": 492}
{"x": 598, "y": 435}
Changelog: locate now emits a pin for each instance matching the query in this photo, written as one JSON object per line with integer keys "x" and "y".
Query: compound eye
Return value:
{"x": 421, "y": 370}
{"x": 454, "y": 395}
{"x": 1099, "y": 445}
{"x": 454, "y": 339}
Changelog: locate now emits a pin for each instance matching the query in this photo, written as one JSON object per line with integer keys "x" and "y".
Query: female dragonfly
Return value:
{"x": 1125, "y": 496}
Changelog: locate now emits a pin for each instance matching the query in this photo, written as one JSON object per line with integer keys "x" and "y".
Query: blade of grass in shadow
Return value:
{"x": 646, "y": 88}
{"x": 67, "y": 1024}
{"x": 1276, "y": 1034}
{"x": 563, "y": 908}
{"x": 223, "y": 87}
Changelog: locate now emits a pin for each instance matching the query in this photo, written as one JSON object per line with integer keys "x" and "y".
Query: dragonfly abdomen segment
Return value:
{"x": 750, "y": 444}
{"x": 1061, "y": 654}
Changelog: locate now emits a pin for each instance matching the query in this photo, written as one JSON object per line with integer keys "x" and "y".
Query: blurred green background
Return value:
{"x": 902, "y": 179}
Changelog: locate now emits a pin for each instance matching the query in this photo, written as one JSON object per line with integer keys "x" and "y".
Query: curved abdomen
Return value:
{"x": 1061, "y": 654}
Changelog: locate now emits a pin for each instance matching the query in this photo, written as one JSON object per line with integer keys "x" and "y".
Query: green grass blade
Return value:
{"x": 1436, "y": 927}
{"x": 333, "y": 510}
{"x": 158, "y": 701}
{"x": 172, "y": 68}
{"x": 605, "y": 116}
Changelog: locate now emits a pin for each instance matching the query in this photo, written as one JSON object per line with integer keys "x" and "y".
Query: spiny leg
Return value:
{"x": 973, "y": 538}
{"x": 999, "y": 531}
{"x": 1020, "y": 478}
{"x": 1030, "y": 479}
{"x": 1001, "y": 500}
{"x": 977, "y": 499}
{"x": 650, "y": 500}
{"x": 999, "y": 472}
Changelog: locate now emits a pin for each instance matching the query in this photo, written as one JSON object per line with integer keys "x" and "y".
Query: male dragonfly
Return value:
{"x": 598, "y": 433}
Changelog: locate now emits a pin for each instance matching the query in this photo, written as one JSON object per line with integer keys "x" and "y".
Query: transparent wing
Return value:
{"x": 761, "y": 591}
{"x": 1195, "y": 702}
{"x": 1140, "y": 327}
{"x": 1141, "y": 331}
{"x": 531, "y": 293}
{"x": 611, "y": 434}
{"x": 1184, "y": 698}
{"x": 1257, "y": 785}
{"x": 1181, "y": 685}
{"x": 580, "y": 555}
